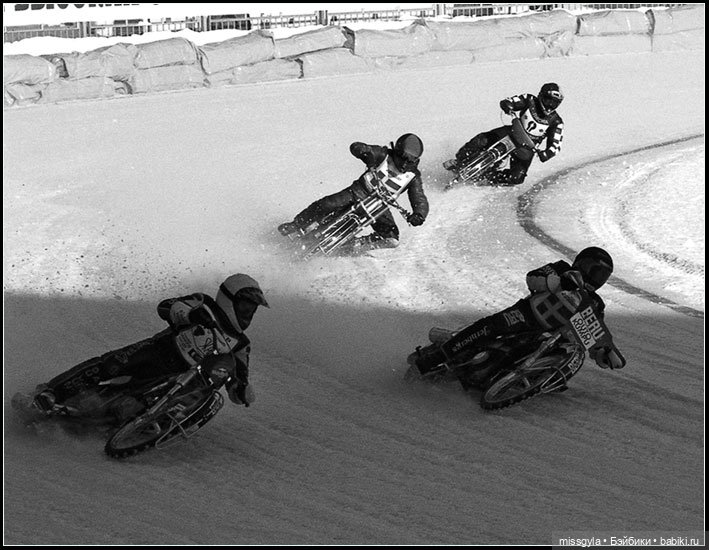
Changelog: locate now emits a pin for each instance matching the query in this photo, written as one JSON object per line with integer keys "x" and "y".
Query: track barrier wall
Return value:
{"x": 177, "y": 63}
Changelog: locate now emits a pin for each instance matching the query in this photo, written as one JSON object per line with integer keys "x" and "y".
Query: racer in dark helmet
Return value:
{"x": 407, "y": 152}
{"x": 202, "y": 331}
{"x": 398, "y": 162}
{"x": 556, "y": 293}
{"x": 541, "y": 122}
{"x": 595, "y": 265}
{"x": 550, "y": 97}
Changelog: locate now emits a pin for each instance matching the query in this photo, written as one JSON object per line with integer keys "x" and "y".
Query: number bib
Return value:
{"x": 589, "y": 328}
{"x": 535, "y": 125}
{"x": 387, "y": 176}
{"x": 195, "y": 343}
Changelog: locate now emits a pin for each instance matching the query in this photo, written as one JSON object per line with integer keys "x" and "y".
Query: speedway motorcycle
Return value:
{"x": 335, "y": 233}
{"x": 479, "y": 169}
{"x": 515, "y": 367}
{"x": 137, "y": 415}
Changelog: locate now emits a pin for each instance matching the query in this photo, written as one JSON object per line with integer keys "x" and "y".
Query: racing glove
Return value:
{"x": 506, "y": 106}
{"x": 607, "y": 358}
{"x": 415, "y": 219}
{"x": 242, "y": 394}
{"x": 544, "y": 155}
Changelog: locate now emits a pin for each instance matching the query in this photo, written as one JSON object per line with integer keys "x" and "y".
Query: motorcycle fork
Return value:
{"x": 550, "y": 384}
{"x": 181, "y": 381}
{"x": 372, "y": 208}
{"x": 541, "y": 350}
{"x": 361, "y": 215}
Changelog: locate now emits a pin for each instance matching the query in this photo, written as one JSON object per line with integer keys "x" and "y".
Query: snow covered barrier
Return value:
{"x": 161, "y": 53}
{"x": 116, "y": 62}
{"x": 524, "y": 48}
{"x": 93, "y": 87}
{"x": 424, "y": 60}
{"x": 104, "y": 72}
{"x": 18, "y": 94}
{"x": 27, "y": 69}
{"x": 310, "y": 41}
{"x": 548, "y": 34}
{"x": 613, "y": 31}
{"x": 255, "y": 47}
{"x": 332, "y": 62}
{"x": 266, "y": 71}
{"x": 613, "y": 22}
{"x": 171, "y": 64}
{"x": 172, "y": 77}
{"x": 413, "y": 40}
{"x": 276, "y": 69}
{"x": 540, "y": 25}
{"x": 679, "y": 28}
{"x": 24, "y": 77}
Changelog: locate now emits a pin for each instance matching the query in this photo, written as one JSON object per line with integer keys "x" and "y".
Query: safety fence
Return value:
{"x": 256, "y": 56}
{"x": 245, "y": 21}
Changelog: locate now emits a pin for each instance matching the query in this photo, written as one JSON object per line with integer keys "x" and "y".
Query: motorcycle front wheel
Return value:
{"x": 548, "y": 373}
{"x": 139, "y": 434}
{"x": 157, "y": 430}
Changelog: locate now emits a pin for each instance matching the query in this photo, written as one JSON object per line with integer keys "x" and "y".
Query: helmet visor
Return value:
{"x": 599, "y": 275}
{"x": 406, "y": 161}
{"x": 249, "y": 293}
{"x": 253, "y": 294}
{"x": 595, "y": 273}
{"x": 244, "y": 310}
{"x": 551, "y": 100}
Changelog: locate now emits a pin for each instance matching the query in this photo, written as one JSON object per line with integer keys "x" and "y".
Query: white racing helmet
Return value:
{"x": 239, "y": 296}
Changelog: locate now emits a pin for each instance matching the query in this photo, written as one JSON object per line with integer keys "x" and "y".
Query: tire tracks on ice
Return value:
{"x": 624, "y": 208}
{"x": 526, "y": 214}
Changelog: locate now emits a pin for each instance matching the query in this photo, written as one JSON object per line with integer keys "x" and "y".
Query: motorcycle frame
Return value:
{"x": 356, "y": 218}
{"x": 515, "y": 139}
{"x": 209, "y": 396}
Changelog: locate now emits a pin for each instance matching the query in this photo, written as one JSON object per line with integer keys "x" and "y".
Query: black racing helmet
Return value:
{"x": 550, "y": 97}
{"x": 595, "y": 264}
{"x": 407, "y": 151}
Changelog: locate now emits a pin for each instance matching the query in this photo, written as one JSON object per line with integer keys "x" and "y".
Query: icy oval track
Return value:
{"x": 183, "y": 188}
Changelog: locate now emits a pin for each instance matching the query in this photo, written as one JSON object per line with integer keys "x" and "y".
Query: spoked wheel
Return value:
{"x": 140, "y": 434}
{"x": 157, "y": 430}
{"x": 510, "y": 388}
{"x": 475, "y": 171}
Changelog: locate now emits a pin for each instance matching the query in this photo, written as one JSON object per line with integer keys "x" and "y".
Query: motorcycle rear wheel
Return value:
{"x": 517, "y": 385}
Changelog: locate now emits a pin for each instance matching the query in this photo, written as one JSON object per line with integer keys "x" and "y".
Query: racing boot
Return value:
{"x": 44, "y": 401}
{"x": 428, "y": 360}
{"x": 287, "y": 228}
{"x": 451, "y": 165}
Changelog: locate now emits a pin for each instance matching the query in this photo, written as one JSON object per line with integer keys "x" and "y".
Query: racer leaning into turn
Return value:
{"x": 541, "y": 122}
{"x": 556, "y": 293}
{"x": 202, "y": 331}
{"x": 398, "y": 162}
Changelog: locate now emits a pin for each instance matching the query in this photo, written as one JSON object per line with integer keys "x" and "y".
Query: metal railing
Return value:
{"x": 342, "y": 18}
{"x": 264, "y": 21}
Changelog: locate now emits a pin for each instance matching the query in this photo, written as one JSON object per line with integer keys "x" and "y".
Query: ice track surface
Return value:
{"x": 111, "y": 205}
